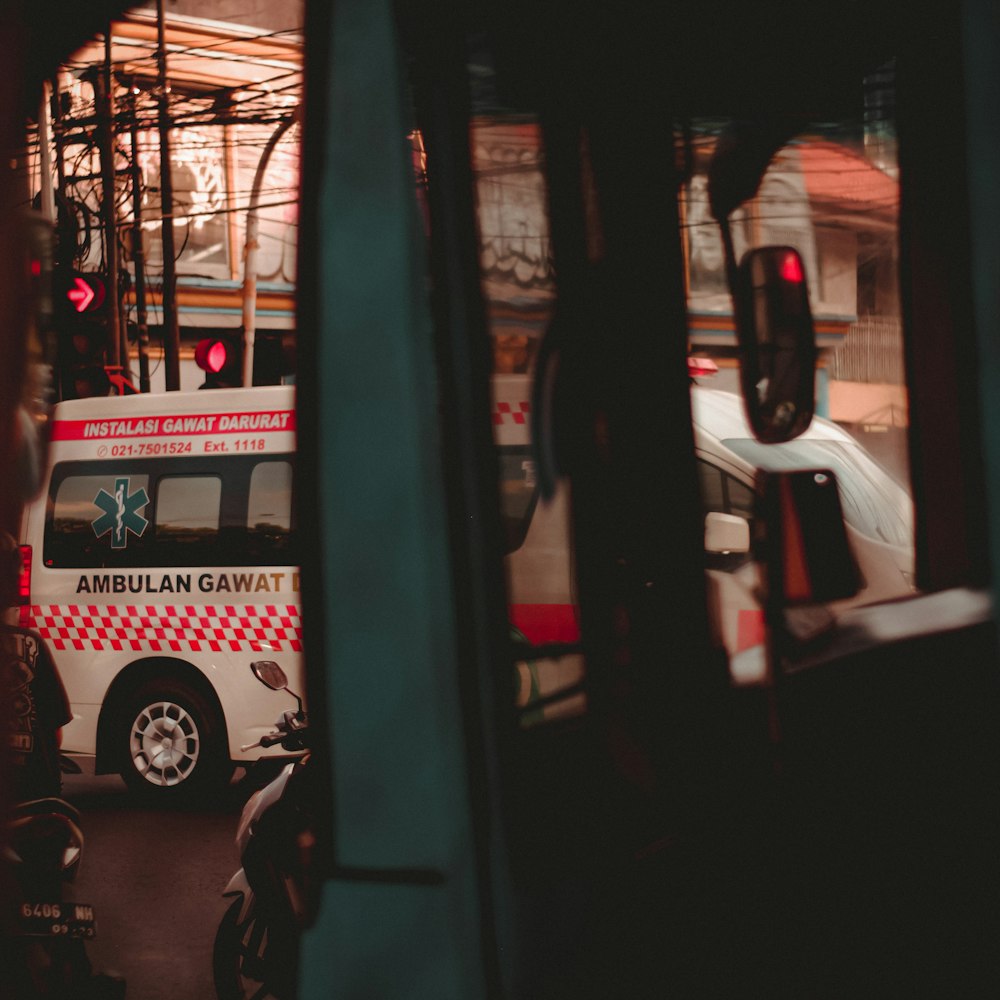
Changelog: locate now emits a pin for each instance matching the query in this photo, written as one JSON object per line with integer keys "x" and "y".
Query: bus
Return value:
{"x": 828, "y": 832}
{"x": 683, "y": 835}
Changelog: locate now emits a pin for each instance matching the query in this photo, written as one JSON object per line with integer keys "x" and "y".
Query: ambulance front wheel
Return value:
{"x": 172, "y": 741}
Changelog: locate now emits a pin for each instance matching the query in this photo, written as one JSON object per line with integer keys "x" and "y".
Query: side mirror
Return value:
{"x": 777, "y": 342}
{"x": 269, "y": 674}
{"x": 727, "y": 541}
{"x": 770, "y": 301}
{"x": 726, "y": 534}
{"x": 774, "y": 326}
{"x": 807, "y": 555}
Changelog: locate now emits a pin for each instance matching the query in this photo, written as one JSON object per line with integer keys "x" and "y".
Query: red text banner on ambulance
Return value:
{"x": 167, "y": 426}
{"x": 168, "y": 434}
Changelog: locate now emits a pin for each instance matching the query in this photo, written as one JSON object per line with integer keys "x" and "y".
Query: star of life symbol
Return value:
{"x": 121, "y": 513}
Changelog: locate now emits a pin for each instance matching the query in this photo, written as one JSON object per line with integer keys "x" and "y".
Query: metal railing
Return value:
{"x": 871, "y": 352}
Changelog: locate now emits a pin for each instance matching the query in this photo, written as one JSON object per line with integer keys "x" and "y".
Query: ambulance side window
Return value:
{"x": 85, "y": 528}
{"x": 187, "y": 512}
{"x": 229, "y": 511}
{"x": 269, "y": 509}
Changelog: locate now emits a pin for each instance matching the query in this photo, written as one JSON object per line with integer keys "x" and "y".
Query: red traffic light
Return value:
{"x": 86, "y": 292}
{"x": 211, "y": 355}
{"x": 791, "y": 268}
{"x": 221, "y": 359}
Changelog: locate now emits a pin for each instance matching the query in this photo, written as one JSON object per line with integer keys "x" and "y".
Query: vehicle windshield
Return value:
{"x": 874, "y": 503}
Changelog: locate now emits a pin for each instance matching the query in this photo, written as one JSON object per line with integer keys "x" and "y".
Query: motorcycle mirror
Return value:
{"x": 270, "y": 674}
{"x": 777, "y": 342}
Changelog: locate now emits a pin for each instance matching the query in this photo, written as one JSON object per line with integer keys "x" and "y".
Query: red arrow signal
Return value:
{"x": 81, "y": 296}
{"x": 86, "y": 292}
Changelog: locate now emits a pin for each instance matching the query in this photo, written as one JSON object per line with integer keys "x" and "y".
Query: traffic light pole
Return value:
{"x": 171, "y": 330}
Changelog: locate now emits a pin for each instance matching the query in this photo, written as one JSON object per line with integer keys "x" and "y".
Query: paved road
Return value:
{"x": 155, "y": 877}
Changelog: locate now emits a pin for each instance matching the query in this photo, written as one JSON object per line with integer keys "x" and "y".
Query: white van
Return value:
{"x": 158, "y": 564}
{"x": 877, "y": 510}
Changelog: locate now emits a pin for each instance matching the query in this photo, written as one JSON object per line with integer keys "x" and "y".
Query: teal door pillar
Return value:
{"x": 401, "y": 916}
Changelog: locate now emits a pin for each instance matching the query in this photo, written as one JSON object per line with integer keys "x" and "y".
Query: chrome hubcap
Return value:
{"x": 164, "y": 743}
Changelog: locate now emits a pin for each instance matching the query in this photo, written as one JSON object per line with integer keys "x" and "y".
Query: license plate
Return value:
{"x": 75, "y": 920}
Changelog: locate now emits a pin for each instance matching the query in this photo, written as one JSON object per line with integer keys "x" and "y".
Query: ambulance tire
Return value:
{"x": 172, "y": 742}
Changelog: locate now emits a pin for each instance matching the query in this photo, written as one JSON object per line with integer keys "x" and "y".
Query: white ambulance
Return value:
{"x": 158, "y": 564}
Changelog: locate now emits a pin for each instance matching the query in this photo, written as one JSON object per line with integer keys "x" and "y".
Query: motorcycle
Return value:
{"x": 43, "y": 845}
{"x": 256, "y": 946}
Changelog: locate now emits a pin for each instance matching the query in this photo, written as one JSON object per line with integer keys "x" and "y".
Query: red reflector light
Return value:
{"x": 210, "y": 355}
{"x": 702, "y": 367}
{"x": 791, "y": 268}
{"x": 24, "y": 584}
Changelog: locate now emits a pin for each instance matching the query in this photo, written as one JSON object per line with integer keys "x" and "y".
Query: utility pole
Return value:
{"x": 57, "y": 135}
{"x": 138, "y": 253}
{"x": 66, "y": 235}
{"x": 46, "y": 182}
{"x": 105, "y": 143}
{"x": 251, "y": 248}
{"x": 171, "y": 330}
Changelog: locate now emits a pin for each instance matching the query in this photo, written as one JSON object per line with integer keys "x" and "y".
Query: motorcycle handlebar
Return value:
{"x": 273, "y": 739}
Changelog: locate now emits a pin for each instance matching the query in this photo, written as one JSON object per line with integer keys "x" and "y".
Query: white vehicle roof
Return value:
{"x": 721, "y": 415}
{"x": 261, "y": 397}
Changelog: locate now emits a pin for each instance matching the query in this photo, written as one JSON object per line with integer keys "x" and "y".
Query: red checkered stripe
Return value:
{"x": 516, "y": 413}
{"x": 170, "y": 627}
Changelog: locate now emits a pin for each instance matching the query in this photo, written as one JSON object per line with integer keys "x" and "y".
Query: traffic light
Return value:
{"x": 273, "y": 357}
{"x": 80, "y": 300}
{"x": 221, "y": 359}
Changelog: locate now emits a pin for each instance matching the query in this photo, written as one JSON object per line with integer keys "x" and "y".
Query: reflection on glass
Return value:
{"x": 71, "y": 538}
{"x": 187, "y": 508}
{"x": 271, "y": 496}
{"x": 269, "y": 510}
